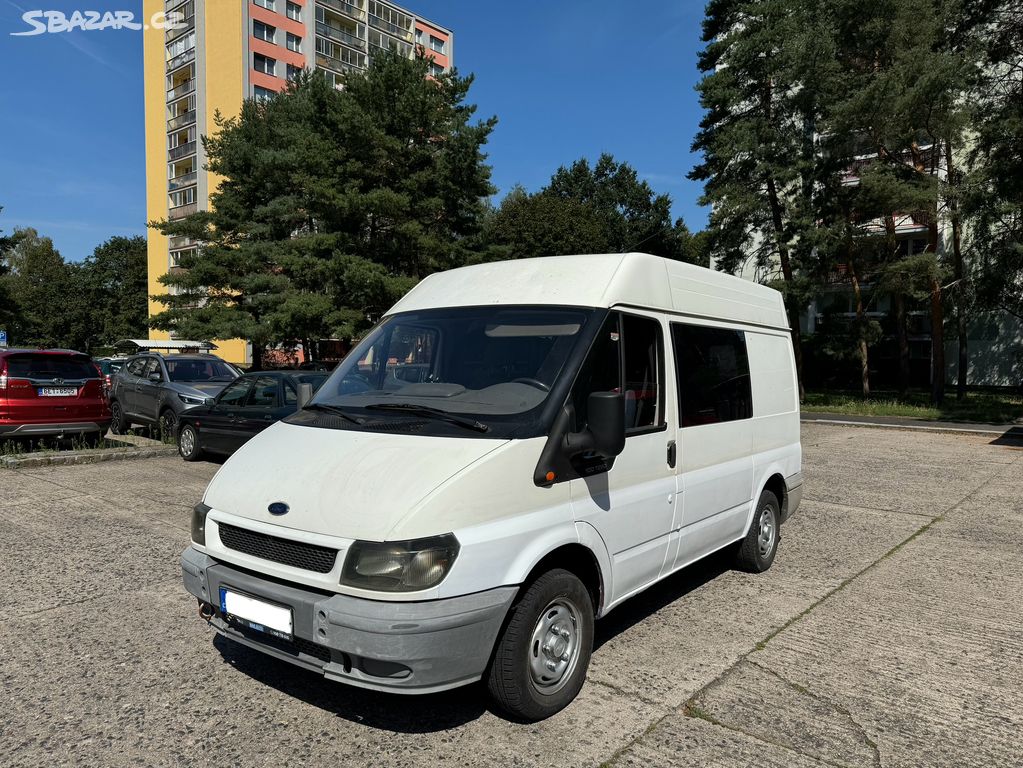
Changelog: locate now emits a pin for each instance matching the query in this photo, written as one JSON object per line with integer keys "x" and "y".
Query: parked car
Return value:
{"x": 245, "y": 407}
{"x": 108, "y": 366}
{"x": 55, "y": 393}
{"x": 513, "y": 451}
{"x": 154, "y": 390}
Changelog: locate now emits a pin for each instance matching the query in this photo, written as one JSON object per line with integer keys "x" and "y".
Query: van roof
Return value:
{"x": 602, "y": 280}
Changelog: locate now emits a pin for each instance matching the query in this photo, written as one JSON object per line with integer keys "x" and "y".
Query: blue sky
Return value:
{"x": 566, "y": 78}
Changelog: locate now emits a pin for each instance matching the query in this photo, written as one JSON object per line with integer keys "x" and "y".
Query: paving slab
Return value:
{"x": 888, "y": 632}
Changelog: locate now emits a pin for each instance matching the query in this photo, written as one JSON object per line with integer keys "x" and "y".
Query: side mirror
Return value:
{"x": 605, "y": 433}
{"x": 305, "y": 394}
{"x": 155, "y": 376}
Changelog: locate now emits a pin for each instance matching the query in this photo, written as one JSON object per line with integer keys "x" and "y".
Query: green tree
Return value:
{"x": 8, "y": 310}
{"x": 45, "y": 290}
{"x": 114, "y": 285}
{"x": 905, "y": 76}
{"x": 768, "y": 71}
{"x": 333, "y": 205}
{"x": 589, "y": 209}
{"x": 993, "y": 202}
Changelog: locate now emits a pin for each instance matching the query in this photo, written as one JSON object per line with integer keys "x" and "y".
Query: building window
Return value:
{"x": 436, "y": 44}
{"x": 259, "y": 93}
{"x": 419, "y": 36}
{"x": 294, "y": 43}
{"x": 262, "y": 31}
{"x": 436, "y": 69}
{"x": 294, "y": 11}
{"x": 182, "y": 44}
{"x": 268, "y": 4}
{"x": 264, "y": 64}
{"x": 184, "y": 197}
{"x": 713, "y": 374}
{"x": 294, "y": 72}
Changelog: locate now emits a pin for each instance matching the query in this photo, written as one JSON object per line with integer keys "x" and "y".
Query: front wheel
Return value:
{"x": 756, "y": 552}
{"x": 540, "y": 661}
{"x": 188, "y": 443}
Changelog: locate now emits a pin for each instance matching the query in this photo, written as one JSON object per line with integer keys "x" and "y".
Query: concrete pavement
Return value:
{"x": 888, "y": 632}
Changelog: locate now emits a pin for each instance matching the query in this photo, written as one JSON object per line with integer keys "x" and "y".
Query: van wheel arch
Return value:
{"x": 578, "y": 560}
{"x": 776, "y": 485}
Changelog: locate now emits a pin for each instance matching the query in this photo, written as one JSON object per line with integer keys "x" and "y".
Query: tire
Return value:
{"x": 757, "y": 551}
{"x": 118, "y": 424}
{"x": 552, "y": 620}
{"x": 167, "y": 427}
{"x": 188, "y": 443}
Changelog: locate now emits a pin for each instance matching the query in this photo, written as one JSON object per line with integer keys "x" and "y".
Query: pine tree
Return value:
{"x": 333, "y": 205}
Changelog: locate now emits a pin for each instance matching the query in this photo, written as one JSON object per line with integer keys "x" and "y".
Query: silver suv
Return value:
{"x": 153, "y": 389}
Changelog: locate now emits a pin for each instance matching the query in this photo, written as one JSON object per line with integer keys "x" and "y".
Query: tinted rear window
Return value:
{"x": 50, "y": 367}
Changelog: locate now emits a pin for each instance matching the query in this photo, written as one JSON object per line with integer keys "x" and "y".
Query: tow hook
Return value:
{"x": 205, "y": 611}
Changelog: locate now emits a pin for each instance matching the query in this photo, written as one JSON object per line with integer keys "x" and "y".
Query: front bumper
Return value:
{"x": 54, "y": 429}
{"x": 403, "y": 647}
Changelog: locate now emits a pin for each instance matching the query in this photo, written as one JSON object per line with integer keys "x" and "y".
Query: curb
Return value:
{"x": 85, "y": 457}
{"x": 917, "y": 427}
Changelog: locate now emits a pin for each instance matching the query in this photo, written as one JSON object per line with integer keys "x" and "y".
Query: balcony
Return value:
{"x": 185, "y": 88}
{"x": 181, "y": 120}
{"x": 181, "y": 60}
{"x": 346, "y": 8}
{"x": 389, "y": 28}
{"x": 182, "y": 181}
{"x": 336, "y": 33}
{"x": 335, "y": 65}
{"x": 180, "y": 241}
{"x": 182, "y": 211}
{"x": 187, "y": 25}
{"x": 180, "y": 151}
{"x": 401, "y": 48}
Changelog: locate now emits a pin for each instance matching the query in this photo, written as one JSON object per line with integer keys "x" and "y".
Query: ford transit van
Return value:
{"x": 514, "y": 450}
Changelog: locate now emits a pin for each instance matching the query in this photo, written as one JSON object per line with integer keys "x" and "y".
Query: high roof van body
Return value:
{"x": 515, "y": 449}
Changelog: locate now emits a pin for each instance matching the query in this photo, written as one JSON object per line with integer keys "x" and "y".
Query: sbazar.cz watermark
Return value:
{"x": 42, "y": 22}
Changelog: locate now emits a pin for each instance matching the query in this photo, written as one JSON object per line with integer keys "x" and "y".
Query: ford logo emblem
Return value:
{"x": 278, "y": 508}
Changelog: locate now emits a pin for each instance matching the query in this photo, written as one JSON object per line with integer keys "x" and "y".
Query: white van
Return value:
{"x": 514, "y": 450}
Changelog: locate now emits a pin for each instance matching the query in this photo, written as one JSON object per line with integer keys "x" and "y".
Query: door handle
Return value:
{"x": 672, "y": 453}
{"x": 268, "y": 417}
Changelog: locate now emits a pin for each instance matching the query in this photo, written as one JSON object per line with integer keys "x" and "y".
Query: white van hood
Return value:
{"x": 342, "y": 483}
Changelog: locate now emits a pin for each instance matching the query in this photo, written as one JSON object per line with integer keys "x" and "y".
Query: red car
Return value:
{"x": 55, "y": 393}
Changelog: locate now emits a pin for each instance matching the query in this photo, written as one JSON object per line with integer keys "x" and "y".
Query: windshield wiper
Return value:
{"x": 436, "y": 413}
{"x": 331, "y": 409}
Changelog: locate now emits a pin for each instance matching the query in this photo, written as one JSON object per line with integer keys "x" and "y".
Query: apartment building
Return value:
{"x": 229, "y": 50}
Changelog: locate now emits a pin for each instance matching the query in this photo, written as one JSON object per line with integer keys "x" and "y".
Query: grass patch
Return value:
{"x": 42, "y": 445}
{"x": 983, "y": 407}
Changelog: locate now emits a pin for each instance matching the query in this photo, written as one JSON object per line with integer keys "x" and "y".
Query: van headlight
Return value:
{"x": 400, "y": 566}
{"x": 199, "y": 512}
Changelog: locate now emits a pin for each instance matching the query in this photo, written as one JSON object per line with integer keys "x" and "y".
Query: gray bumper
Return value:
{"x": 794, "y": 494}
{"x": 47, "y": 430}
{"x": 411, "y": 647}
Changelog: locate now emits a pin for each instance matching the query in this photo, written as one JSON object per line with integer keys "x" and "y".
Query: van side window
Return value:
{"x": 713, "y": 374}
{"x": 137, "y": 366}
{"x": 629, "y": 345}
{"x": 642, "y": 363}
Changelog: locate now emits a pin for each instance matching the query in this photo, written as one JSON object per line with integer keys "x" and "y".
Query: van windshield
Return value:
{"x": 490, "y": 367}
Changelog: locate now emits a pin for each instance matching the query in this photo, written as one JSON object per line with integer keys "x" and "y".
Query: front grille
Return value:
{"x": 296, "y": 554}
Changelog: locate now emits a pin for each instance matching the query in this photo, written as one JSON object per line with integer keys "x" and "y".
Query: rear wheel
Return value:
{"x": 188, "y": 443}
{"x": 540, "y": 661}
{"x": 118, "y": 424}
{"x": 92, "y": 439}
{"x": 757, "y": 551}
{"x": 168, "y": 424}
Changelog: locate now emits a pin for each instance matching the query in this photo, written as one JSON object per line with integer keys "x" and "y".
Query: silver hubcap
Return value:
{"x": 767, "y": 532}
{"x": 187, "y": 441}
{"x": 554, "y": 646}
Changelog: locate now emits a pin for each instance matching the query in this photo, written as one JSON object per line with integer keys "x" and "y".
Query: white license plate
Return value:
{"x": 58, "y": 391}
{"x": 256, "y": 614}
